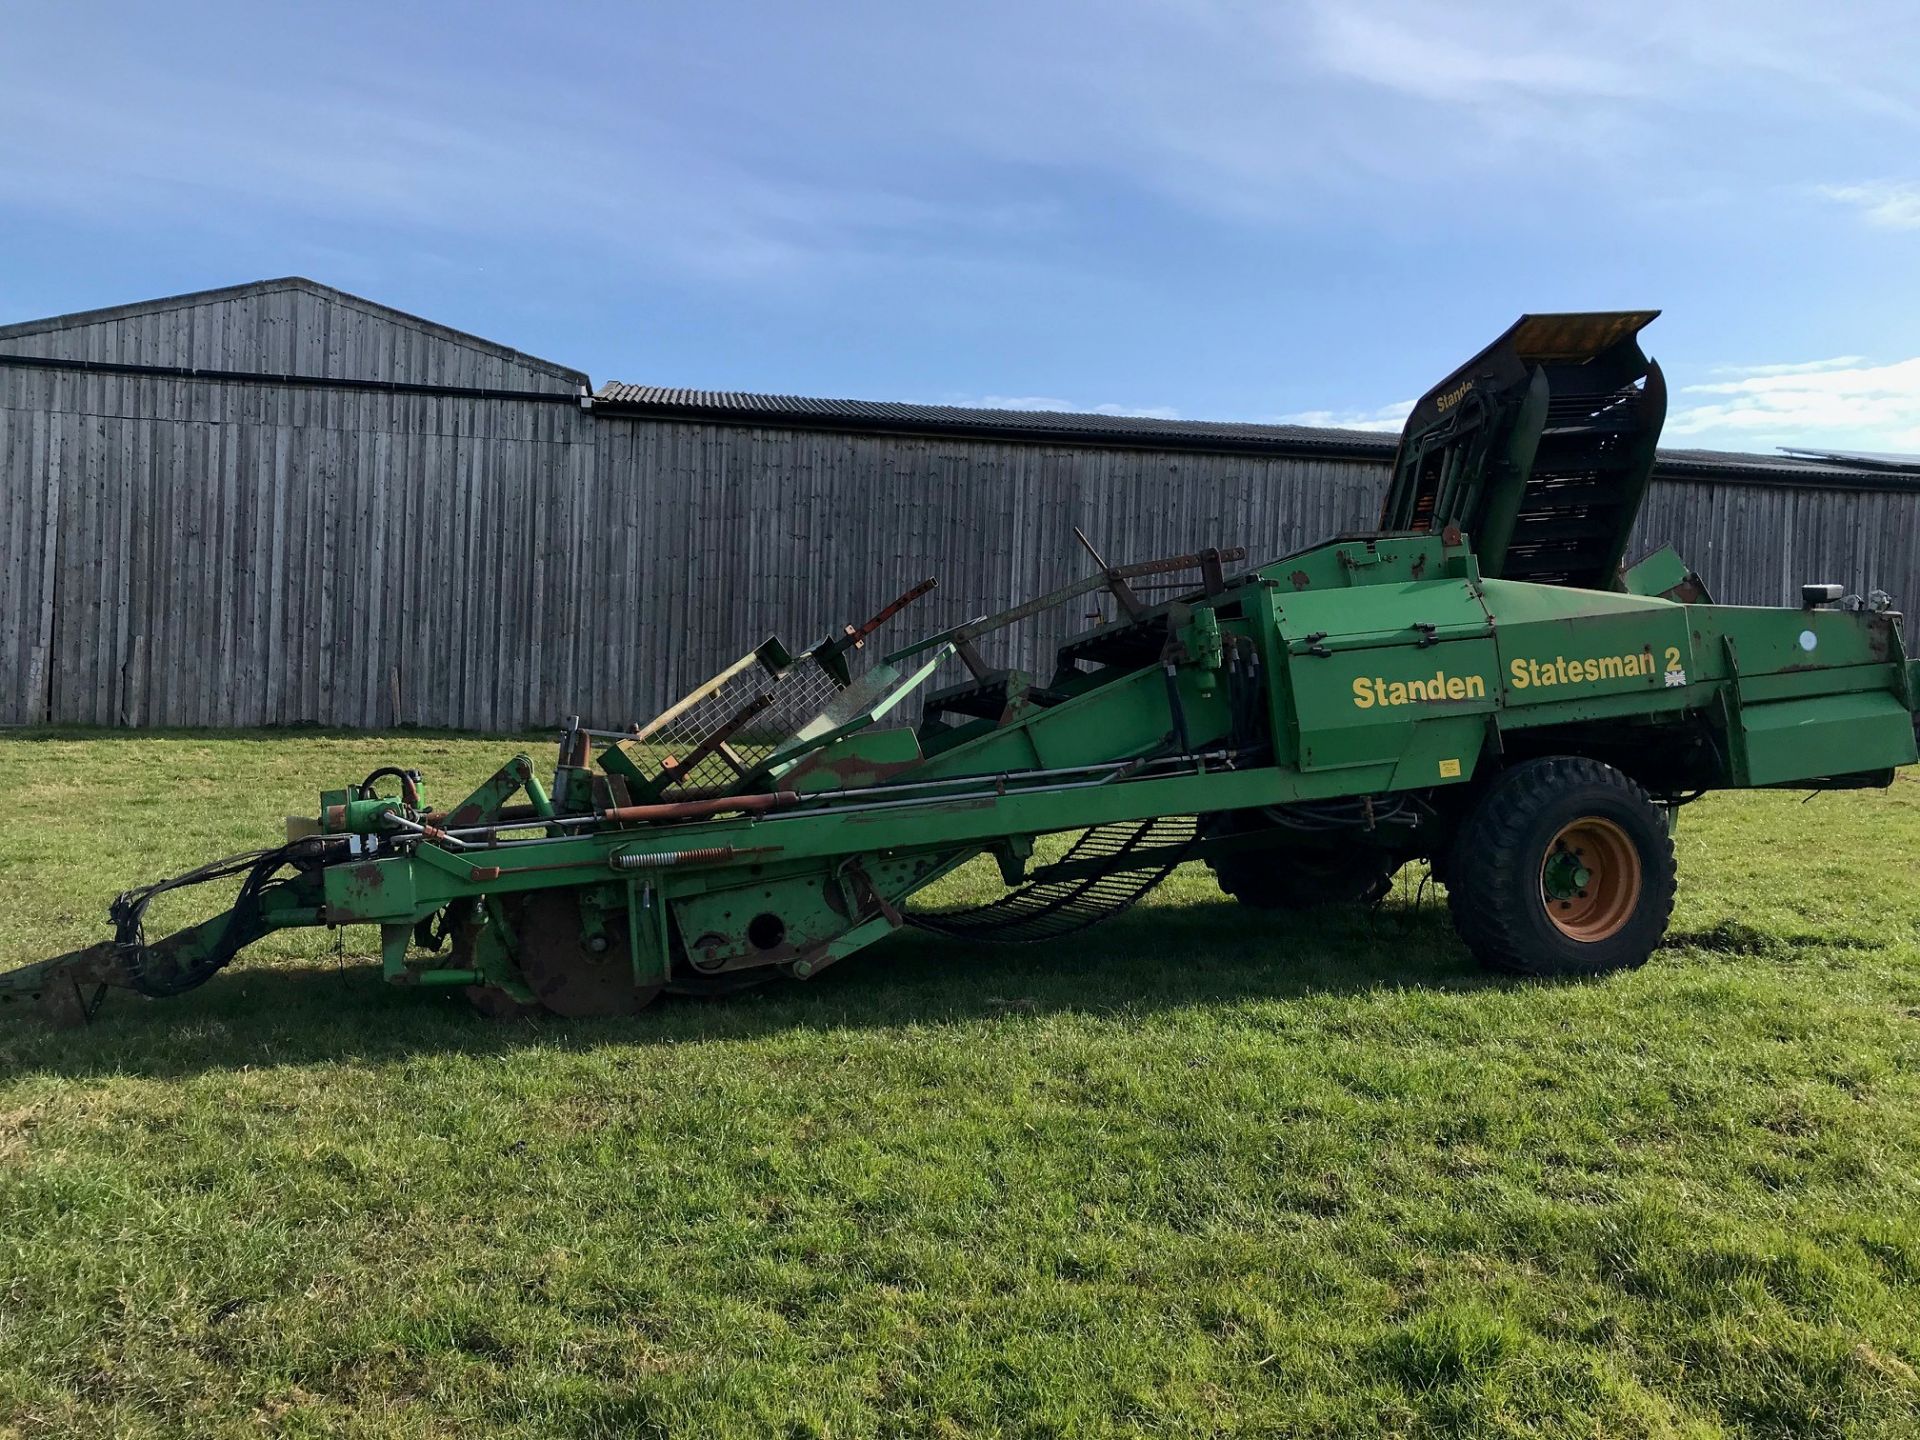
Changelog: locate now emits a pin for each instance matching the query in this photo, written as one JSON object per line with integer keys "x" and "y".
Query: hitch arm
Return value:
{"x": 68, "y": 989}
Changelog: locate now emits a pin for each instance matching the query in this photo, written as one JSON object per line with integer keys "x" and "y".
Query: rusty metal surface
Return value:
{"x": 850, "y": 770}
{"x": 696, "y": 809}
{"x": 570, "y": 978}
{"x": 728, "y": 726}
{"x": 679, "y": 769}
{"x": 67, "y": 989}
{"x": 1573, "y": 337}
{"x": 856, "y": 635}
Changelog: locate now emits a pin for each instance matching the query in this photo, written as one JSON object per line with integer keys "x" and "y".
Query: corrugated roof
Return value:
{"x": 1786, "y": 469}
{"x": 1150, "y": 432}
{"x": 901, "y": 417}
{"x": 1868, "y": 459}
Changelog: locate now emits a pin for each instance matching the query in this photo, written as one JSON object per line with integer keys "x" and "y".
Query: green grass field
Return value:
{"x": 1197, "y": 1172}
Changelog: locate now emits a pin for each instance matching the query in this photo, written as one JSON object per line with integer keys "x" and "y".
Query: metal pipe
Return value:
{"x": 992, "y": 784}
{"x": 999, "y": 780}
{"x": 537, "y": 793}
{"x": 995, "y": 784}
{"x": 699, "y": 809}
{"x": 429, "y": 832}
{"x": 1128, "y": 767}
{"x": 1094, "y": 784}
{"x": 949, "y": 799}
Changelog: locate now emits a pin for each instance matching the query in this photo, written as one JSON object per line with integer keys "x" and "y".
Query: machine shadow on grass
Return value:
{"x": 1160, "y": 958}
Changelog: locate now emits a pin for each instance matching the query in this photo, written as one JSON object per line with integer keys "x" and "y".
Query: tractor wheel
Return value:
{"x": 1563, "y": 867}
{"x": 1305, "y": 879}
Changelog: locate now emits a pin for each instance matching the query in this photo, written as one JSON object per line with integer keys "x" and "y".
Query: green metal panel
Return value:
{"x": 1831, "y": 735}
{"x": 1561, "y": 647}
{"x": 1362, "y": 706}
{"x": 1501, "y": 506}
{"x": 1655, "y": 574}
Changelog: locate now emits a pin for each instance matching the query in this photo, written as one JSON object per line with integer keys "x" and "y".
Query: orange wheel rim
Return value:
{"x": 1590, "y": 879}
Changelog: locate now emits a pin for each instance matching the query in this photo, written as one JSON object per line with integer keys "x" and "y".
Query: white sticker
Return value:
{"x": 1675, "y": 677}
{"x": 1808, "y": 640}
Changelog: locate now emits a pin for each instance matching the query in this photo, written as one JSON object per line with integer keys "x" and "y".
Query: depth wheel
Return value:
{"x": 1563, "y": 867}
{"x": 1305, "y": 879}
{"x": 493, "y": 1003}
{"x": 563, "y": 971}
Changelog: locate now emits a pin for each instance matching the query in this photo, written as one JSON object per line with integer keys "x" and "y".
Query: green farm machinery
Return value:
{"x": 1481, "y": 683}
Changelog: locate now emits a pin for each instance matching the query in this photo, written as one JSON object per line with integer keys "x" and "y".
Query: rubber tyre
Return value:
{"x": 1496, "y": 890}
{"x": 1305, "y": 879}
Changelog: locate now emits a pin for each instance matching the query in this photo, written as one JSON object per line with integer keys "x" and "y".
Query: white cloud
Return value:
{"x": 1798, "y": 367}
{"x": 1423, "y": 56}
{"x": 1055, "y": 403}
{"x": 1892, "y": 204}
{"x": 1844, "y": 402}
{"x": 1385, "y": 417}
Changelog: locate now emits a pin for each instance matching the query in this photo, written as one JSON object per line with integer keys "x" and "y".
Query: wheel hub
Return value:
{"x": 1590, "y": 879}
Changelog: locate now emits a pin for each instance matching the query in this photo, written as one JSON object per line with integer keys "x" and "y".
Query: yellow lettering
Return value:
{"x": 1526, "y": 674}
{"x": 1372, "y": 692}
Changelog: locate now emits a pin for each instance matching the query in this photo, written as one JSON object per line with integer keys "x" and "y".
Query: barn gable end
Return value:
{"x": 291, "y": 326}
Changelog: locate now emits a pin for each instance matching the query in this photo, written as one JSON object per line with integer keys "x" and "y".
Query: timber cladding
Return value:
{"x": 447, "y": 538}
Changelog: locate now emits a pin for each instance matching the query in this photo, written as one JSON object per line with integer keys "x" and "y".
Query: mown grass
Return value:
{"x": 1195, "y": 1173}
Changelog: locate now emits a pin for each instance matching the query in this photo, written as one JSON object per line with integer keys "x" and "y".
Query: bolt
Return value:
{"x": 802, "y": 969}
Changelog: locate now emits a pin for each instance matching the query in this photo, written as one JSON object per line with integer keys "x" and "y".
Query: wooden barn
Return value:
{"x": 281, "y": 504}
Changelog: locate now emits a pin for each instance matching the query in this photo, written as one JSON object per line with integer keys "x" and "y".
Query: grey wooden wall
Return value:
{"x": 707, "y": 538}
{"x": 190, "y": 552}
{"x": 1757, "y": 544}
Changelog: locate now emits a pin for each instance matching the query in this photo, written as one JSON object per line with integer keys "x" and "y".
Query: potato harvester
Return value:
{"x": 1480, "y": 683}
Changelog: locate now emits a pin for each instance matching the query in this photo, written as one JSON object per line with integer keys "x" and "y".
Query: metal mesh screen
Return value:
{"x": 733, "y": 723}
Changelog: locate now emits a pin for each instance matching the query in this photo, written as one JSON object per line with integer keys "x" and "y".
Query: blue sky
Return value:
{"x": 1210, "y": 210}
